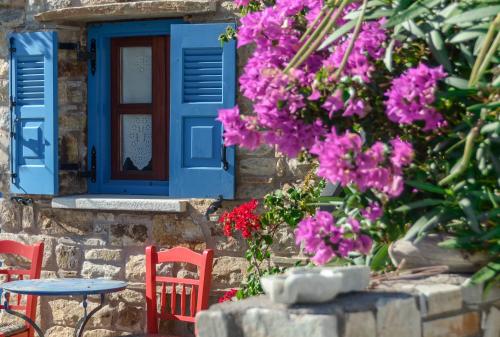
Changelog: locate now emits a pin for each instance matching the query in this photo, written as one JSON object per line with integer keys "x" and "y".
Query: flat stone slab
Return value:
{"x": 315, "y": 285}
{"x": 129, "y": 10}
{"x": 121, "y": 203}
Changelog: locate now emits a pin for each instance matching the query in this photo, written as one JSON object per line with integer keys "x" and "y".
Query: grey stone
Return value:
{"x": 360, "y": 324}
{"x": 315, "y": 285}
{"x": 463, "y": 325}
{"x": 492, "y": 324}
{"x": 398, "y": 317}
{"x": 214, "y": 323}
{"x": 258, "y": 322}
{"x": 440, "y": 298}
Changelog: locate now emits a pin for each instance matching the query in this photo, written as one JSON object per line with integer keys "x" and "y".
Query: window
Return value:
{"x": 139, "y": 108}
{"x": 154, "y": 90}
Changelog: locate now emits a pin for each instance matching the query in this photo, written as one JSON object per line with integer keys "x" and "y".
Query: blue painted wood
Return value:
{"x": 63, "y": 287}
{"x": 33, "y": 88}
{"x": 99, "y": 106}
{"x": 203, "y": 77}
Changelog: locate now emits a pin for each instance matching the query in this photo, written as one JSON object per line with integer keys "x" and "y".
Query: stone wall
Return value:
{"x": 81, "y": 243}
{"x": 439, "y": 306}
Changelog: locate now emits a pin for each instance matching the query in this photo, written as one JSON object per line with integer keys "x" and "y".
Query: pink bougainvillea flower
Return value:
{"x": 412, "y": 95}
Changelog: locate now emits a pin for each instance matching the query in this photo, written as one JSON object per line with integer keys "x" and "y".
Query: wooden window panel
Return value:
{"x": 158, "y": 108}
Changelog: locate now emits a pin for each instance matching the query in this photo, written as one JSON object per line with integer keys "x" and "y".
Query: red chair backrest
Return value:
{"x": 199, "y": 288}
{"x": 34, "y": 254}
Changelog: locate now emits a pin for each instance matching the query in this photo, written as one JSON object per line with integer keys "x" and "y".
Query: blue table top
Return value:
{"x": 63, "y": 287}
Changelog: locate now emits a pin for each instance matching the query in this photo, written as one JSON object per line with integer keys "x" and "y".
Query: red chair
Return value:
{"x": 34, "y": 254}
{"x": 169, "y": 309}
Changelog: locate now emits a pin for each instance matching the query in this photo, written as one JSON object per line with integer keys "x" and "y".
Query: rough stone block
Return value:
{"x": 228, "y": 272}
{"x": 67, "y": 312}
{"x": 92, "y": 270}
{"x": 258, "y": 322}
{"x": 360, "y": 324}
{"x": 135, "y": 269}
{"x": 258, "y": 166}
{"x": 214, "y": 323}
{"x": 440, "y": 298}
{"x": 128, "y": 296}
{"x": 398, "y": 317}
{"x": 107, "y": 255}
{"x": 68, "y": 257}
{"x": 464, "y": 325}
{"x": 170, "y": 230}
{"x": 129, "y": 318}
{"x": 60, "y": 331}
{"x": 128, "y": 235}
{"x": 492, "y": 324}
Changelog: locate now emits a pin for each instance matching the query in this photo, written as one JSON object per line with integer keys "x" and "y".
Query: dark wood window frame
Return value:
{"x": 158, "y": 108}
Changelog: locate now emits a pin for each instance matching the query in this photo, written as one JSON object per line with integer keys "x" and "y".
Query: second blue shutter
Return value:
{"x": 33, "y": 92}
{"x": 203, "y": 77}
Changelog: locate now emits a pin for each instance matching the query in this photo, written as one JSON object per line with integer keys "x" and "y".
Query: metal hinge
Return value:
{"x": 81, "y": 52}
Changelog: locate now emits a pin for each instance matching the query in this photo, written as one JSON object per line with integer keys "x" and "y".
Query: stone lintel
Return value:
{"x": 128, "y": 10}
{"x": 121, "y": 203}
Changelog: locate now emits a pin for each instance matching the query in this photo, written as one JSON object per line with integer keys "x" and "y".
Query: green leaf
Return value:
{"x": 488, "y": 272}
{"x": 414, "y": 10}
{"x": 468, "y": 34}
{"x": 457, "y": 82}
{"x": 468, "y": 209}
{"x": 337, "y": 34}
{"x": 422, "y": 223}
{"x": 419, "y": 204}
{"x": 412, "y": 28}
{"x": 438, "y": 49}
{"x": 474, "y": 14}
{"x": 380, "y": 258}
{"x": 426, "y": 187}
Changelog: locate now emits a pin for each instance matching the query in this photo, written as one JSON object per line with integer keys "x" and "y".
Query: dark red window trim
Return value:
{"x": 159, "y": 108}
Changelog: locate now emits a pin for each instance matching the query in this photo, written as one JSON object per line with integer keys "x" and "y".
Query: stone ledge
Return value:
{"x": 128, "y": 10}
{"x": 121, "y": 203}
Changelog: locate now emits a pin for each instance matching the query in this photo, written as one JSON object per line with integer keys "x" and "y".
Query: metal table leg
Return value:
{"x": 80, "y": 326}
{"x": 21, "y": 316}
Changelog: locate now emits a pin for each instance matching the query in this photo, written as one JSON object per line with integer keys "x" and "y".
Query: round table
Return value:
{"x": 62, "y": 287}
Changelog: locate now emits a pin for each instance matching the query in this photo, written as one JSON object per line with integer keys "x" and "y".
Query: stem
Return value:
{"x": 464, "y": 161}
{"x": 303, "y": 48}
{"x": 311, "y": 27}
{"x": 484, "y": 49}
{"x": 488, "y": 58}
{"x": 355, "y": 34}
{"x": 322, "y": 34}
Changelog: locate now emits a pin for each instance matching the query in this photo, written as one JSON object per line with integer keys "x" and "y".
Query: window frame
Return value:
{"x": 99, "y": 107}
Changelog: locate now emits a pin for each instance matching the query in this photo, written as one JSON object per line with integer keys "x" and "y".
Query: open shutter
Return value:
{"x": 203, "y": 76}
{"x": 33, "y": 92}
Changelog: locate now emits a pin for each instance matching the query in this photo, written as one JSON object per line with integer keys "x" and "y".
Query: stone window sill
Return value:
{"x": 135, "y": 203}
{"x": 128, "y": 10}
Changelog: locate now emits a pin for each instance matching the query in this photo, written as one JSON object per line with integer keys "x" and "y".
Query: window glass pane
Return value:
{"x": 136, "y": 75}
{"x": 137, "y": 148}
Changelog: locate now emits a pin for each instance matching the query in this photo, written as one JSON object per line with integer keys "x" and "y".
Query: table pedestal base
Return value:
{"x": 80, "y": 326}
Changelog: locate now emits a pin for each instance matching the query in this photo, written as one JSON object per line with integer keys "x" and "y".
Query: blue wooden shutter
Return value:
{"x": 203, "y": 76}
{"x": 33, "y": 92}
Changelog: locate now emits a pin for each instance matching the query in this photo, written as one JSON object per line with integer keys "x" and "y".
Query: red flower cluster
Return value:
{"x": 228, "y": 295}
{"x": 241, "y": 218}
